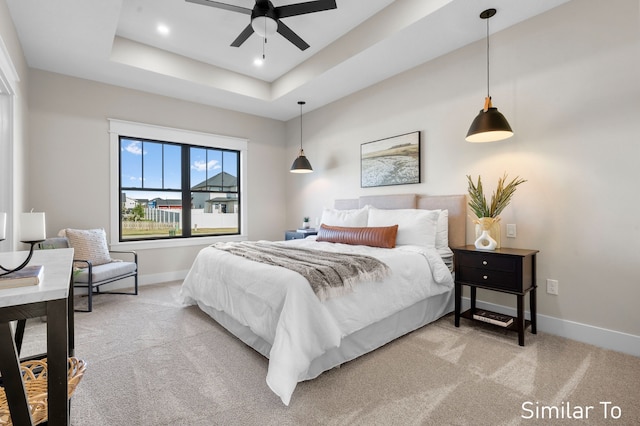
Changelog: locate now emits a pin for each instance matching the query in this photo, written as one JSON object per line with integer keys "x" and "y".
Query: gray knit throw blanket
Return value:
{"x": 329, "y": 274}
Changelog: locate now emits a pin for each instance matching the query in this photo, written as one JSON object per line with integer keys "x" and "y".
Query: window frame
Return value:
{"x": 120, "y": 128}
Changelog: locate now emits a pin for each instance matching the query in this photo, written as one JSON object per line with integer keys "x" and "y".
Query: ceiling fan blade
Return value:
{"x": 244, "y": 35}
{"x": 224, "y": 6}
{"x": 303, "y": 8}
{"x": 288, "y": 33}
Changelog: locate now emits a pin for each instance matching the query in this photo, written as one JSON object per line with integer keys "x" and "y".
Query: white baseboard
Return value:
{"x": 163, "y": 277}
{"x": 143, "y": 280}
{"x": 602, "y": 337}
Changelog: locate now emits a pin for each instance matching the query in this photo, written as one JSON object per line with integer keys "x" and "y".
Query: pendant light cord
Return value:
{"x": 301, "y": 103}
{"x": 488, "y": 95}
{"x": 487, "y": 14}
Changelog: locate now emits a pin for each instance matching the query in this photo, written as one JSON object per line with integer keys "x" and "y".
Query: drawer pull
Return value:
{"x": 484, "y": 262}
{"x": 484, "y": 277}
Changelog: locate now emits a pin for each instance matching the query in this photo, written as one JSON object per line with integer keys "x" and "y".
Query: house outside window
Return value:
{"x": 175, "y": 185}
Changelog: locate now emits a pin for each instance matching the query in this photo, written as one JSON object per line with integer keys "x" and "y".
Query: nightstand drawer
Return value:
{"x": 503, "y": 280}
{"x": 489, "y": 261}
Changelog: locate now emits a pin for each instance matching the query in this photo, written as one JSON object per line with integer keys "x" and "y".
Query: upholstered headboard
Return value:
{"x": 455, "y": 204}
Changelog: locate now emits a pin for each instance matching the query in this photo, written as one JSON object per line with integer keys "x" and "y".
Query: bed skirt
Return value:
{"x": 356, "y": 344}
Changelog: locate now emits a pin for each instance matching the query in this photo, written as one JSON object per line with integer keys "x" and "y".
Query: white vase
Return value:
{"x": 305, "y": 225}
{"x": 491, "y": 224}
{"x": 485, "y": 242}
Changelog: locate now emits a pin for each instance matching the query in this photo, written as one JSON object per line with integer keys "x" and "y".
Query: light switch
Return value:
{"x": 511, "y": 230}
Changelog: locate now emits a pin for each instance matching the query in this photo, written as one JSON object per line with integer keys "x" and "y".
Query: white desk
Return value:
{"x": 53, "y": 297}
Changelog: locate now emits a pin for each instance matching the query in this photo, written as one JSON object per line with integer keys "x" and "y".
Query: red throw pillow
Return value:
{"x": 383, "y": 236}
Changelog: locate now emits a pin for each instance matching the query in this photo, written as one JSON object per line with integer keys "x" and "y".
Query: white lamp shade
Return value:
{"x": 32, "y": 227}
{"x": 3, "y": 226}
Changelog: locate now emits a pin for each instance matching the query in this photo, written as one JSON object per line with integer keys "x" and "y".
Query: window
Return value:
{"x": 175, "y": 185}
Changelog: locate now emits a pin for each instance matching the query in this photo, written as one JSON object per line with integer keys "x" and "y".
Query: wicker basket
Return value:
{"x": 34, "y": 374}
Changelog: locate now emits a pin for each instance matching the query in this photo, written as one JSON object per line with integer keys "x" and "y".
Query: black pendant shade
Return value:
{"x": 301, "y": 164}
{"x": 489, "y": 125}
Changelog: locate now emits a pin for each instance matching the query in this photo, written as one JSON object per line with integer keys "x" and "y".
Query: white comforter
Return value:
{"x": 279, "y": 306}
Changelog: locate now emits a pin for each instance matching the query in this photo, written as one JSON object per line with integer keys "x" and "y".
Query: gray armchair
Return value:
{"x": 91, "y": 275}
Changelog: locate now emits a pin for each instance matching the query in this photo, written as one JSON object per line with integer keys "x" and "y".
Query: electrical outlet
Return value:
{"x": 511, "y": 230}
{"x": 552, "y": 287}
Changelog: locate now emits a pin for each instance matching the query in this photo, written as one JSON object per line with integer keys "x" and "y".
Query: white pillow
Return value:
{"x": 442, "y": 231}
{"x": 347, "y": 218}
{"x": 415, "y": 226}
{"x": 89, "y": 244}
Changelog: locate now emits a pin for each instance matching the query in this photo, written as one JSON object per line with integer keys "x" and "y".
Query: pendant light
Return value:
{"x": 490, "y": 125}
{"x": 301, "y": 164}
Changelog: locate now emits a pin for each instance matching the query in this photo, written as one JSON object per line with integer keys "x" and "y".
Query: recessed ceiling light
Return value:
{"x": 163, "y": 29}
{"x": 258, "y": 62}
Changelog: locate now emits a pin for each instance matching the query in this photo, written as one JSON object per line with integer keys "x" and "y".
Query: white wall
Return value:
{"x": 13, "y": 134}
{"x": 69, "y": 164}
{"x": 568, "y": 82}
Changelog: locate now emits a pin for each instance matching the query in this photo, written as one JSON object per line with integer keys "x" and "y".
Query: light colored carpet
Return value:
{"x": 152, "y": 361}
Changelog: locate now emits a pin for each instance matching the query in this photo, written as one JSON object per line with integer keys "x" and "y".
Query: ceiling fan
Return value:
{"x": 265, "y": 18}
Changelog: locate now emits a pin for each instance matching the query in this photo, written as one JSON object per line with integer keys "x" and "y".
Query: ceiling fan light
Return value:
{"x": 301, "y": 164}
{"x": 264, "y": 26}
{"x": 489, "y": 126}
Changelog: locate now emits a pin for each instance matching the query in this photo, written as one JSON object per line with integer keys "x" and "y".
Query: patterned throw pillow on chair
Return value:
{"x": 89, "y": 244}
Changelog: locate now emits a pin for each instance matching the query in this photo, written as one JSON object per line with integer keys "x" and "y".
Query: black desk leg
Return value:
{"x": 19, "y": 334}
{"x": 71, "y": 319}
{"x": 10, "y": 369}
{"x": 457, "y": 302}
{"x": 57, "y": 359}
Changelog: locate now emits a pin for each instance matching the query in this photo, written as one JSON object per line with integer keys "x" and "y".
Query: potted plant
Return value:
{"x": 305, "y": 222}
{"x": 488, "y": 214}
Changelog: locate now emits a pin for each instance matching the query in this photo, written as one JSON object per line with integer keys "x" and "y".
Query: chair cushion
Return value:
{"x": 89, "y": 244}
{"x": 54, "y": 243}
{"x": 105, "y": 271}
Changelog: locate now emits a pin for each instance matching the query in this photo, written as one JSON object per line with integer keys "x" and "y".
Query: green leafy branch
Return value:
{"x": 499, "y": 199}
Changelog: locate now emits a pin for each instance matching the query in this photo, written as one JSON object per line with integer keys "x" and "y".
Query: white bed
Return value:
{"x": 273, "y": 309}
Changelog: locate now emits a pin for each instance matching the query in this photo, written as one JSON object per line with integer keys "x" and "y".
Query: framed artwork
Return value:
{"x": 391, "y": 161}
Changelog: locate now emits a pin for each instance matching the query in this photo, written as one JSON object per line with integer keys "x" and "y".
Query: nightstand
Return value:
{"x": 296, "y": 235}
{"x": 506, "y": 270}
